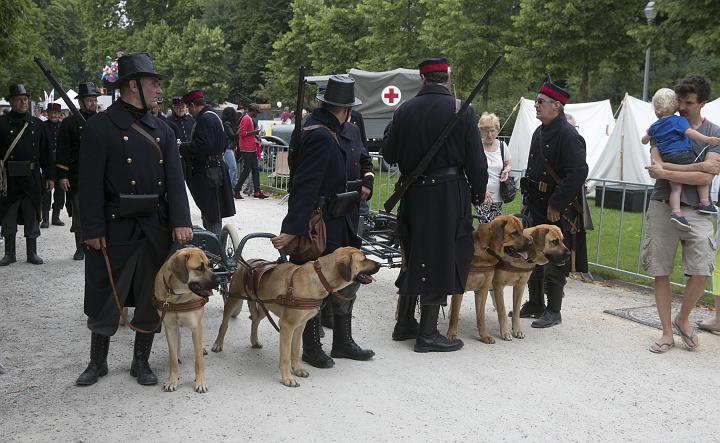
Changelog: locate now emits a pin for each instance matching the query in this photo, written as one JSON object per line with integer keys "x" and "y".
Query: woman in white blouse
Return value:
{"x": 498, "y": 169}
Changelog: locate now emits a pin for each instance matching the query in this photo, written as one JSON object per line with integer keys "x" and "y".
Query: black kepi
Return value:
{"x": 87, "y": 89}
{"x": 53, "y": 107}
{"x": 136, "y": 65}
{"x": 17, "y": 89}
{"x": 340, "y": 91}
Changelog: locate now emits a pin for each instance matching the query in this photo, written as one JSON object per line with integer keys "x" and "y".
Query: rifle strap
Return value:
{"x": 332, "y": 133}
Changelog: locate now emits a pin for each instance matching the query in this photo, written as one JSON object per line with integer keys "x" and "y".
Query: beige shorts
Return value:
{"x": 662, "y": 237}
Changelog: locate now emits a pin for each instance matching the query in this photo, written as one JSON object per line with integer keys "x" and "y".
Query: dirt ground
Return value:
{"x": 589, "y": 379}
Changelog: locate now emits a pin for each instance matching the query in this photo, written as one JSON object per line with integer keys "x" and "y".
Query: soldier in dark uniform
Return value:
{"x": 206, "y": 173}
{"x": 181, "y": 121}
{"x": 24, "y": 152}
{"x": 57, "y": 196}
{"x": 134, "y": 205}
{"x": 68, "y": 157}
{"x": 321, "y": 171}
{"x": 434, "y": 214}
{"x": 547, "y": 201}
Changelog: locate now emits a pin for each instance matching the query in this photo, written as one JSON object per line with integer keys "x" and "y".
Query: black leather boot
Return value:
{"x": 140, "y": 366}
{"x": 343, "y": 344}
{"x": 406, "y": 327}
{"x": 45, "y": 223}
{"x": 535, "y": 306}
{"x": 313, "y": 353}
{"x": 56, "y": 218}
{"x": 552, "y": 316}
{"x": 326, "y": 316}
{"x": 32, "y": 256}
{"x": 9, "y": 251}
{"x": 548, "y": 319}
{"x": 429, "y": 339}
{"x": 97, "y": 368}
{"x": 79, "y": 252}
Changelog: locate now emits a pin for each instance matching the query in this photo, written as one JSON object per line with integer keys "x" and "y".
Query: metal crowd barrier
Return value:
{"x": 618, "y": 229}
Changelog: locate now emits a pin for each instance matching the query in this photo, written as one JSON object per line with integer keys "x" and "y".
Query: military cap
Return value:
{"x": 53, "y": 107}
{"x": 17, "y": 89}
{"x": 193, "y": 95}
{"x": 554, "y": 91}
{"x": 436, "y": 64}
{"x": 137, "y": 65}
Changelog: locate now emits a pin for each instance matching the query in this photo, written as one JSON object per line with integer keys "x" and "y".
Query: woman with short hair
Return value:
{"x": 498, "y": 169}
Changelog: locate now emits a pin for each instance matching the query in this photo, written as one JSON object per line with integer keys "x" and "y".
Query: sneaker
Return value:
{"x": 259, "y": 195}
{"x": 680, "y": 222}
{"x": 707, "y": 209}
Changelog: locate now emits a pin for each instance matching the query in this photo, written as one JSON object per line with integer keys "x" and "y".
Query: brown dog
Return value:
{"x": 515, "y": 269}
{"x": 489, "y": 239}
{"x": 340, "y": 268}
{"x": 185, "y": 277}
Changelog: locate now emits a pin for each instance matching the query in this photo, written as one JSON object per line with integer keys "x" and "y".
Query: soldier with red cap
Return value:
{"x": 434, "y": 215}
{"x": 206, "y": 173}
{"x": 552, "y": 193}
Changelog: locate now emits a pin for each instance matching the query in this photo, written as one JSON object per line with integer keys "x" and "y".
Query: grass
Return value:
{"x": 619, "y": 237}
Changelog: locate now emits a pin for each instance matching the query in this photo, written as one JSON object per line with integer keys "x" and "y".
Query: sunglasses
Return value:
{"x": 540, "y": 101}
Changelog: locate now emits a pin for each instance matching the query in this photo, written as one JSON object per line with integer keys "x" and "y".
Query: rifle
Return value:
{"x": 404, "y": 184}
{"x": 294, "y": 148}
{"x": 56, "y": 84}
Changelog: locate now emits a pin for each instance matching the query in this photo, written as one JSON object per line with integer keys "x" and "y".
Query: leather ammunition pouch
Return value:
{"x": 340, "y": 205}
{"x": 133, "y": 206}
{"x": 20, "y": 168}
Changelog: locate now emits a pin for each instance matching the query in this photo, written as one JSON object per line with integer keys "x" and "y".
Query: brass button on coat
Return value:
{"x": 129, "y": 160}
{"x": 132, "y": 182}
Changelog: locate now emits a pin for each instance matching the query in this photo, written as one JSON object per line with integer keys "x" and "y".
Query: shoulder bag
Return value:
{"x": 508, "y": 188}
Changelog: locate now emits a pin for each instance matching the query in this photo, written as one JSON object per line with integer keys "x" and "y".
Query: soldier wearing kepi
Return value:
{"x": 552, "y": 193}
{"x": 434, "y": 214}
{"x": 181, "y": 121}
{"x": 133, "y": 204}
{"x": 68, "y": 158}
{"x": 206, "y": 173}
{"x": 24, "y": 151}
{"x": 57, "y": 196}
{"x": 321, "y": 173}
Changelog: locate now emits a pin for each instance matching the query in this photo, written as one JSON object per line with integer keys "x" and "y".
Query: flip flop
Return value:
{"x": 700, "y": 325}
{"x": 661, "y": 348}
{"x": 687, "y": 339}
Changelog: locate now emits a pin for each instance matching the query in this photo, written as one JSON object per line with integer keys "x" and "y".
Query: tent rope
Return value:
{"x": 511, "y": 114}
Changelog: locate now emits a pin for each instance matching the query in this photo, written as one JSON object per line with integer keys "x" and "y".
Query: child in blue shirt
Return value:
{"x": 670, "y": 138}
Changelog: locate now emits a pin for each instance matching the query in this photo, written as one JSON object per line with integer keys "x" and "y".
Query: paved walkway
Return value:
{"x": 590, "y": 379}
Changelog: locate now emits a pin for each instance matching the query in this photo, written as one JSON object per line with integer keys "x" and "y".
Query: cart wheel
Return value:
{"x": 229, "y": 241}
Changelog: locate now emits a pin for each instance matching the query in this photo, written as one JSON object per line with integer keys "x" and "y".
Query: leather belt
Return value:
{"x": 443, "y": 172}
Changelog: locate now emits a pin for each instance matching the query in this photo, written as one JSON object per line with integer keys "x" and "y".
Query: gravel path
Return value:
{"x": 590, "y": 379}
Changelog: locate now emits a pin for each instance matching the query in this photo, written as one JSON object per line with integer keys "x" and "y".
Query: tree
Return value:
{"x": 572, "y": 39}
{"x": 66, "y": 36}
{"x": 176, "y": 13}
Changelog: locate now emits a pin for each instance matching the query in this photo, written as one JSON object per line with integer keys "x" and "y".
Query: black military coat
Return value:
{"x": 358, "y": 163}
{"x": 435, "y": 213}
{"x": 206, "y": 149}
{"x": 321, "y": 172}
{"x": 116, "y": 159}
{"x": 182, "y": 126}
{"x": 51, "y": 132}
{"x": 33, "y": 147}
{"x": 68, "y": 153}
{"x": 562, "y": 146}
{"x": 357, "y": 119}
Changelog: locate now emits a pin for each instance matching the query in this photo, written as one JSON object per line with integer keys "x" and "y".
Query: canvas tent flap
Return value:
{"x": 382, "y": 92}
{"x": 625, "y": 157}
{"x": 594, "y": 120}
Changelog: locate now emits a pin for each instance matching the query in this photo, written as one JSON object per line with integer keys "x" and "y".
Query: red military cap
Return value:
{"x": 554, "y": 91}
{"x": 193, "y": 95}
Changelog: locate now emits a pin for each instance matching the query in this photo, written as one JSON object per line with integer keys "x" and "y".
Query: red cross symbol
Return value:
{"x": 391, "y": 95}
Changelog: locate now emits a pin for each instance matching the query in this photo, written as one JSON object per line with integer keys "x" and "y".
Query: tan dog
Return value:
{"x": 340, "y": 268}
{"x": 185, "y": 277}
{"x": 489, "y": 239}
{"x": 547, "y": 247}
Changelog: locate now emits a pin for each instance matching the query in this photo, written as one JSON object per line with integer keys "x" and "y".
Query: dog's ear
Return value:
{"x": 178, "y": 266}
{"x": 497, "y": 235}
{"x": 538, "y": 237}
{"x": 344, "y": 267}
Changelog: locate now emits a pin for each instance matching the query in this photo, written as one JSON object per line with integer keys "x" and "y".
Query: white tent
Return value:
{"x": 711, "y": 111}
{"x": 594, "y": 120}
{"x": 4, "y": 102}
{"x": 70, "y": 93}
{"x": 624, "y": 156}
